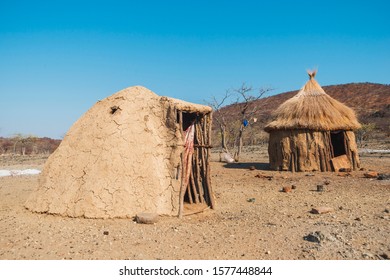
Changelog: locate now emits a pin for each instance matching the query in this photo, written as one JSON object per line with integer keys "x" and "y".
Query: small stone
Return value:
{"x": 368, "y": 256}
{"x": 268, "y": 253}
{"x": 146, "y": 218}
{"x": 251, "y": 199}
{"x": 327, "y": 182}
{"x": 106, "y": 232}
{"x": 316, "y": 237}
{"x": 371, "y": 174}
{"x": 286, "y": 189}
{"x": 384, "y": 256}
{"x": 344, "y": 174}
{"x": 321, "y": 210}
{"x": 383, "y": 176}
{"x": 320, "y": 188}
{"x": 252, "y": 167}
{"x": 294, "y": 187}
{"x": 387, "y": 210}
{"x": 345, "y": 170}
{"x": 362, "y": 169}
{"x": 358, "y": 219}
{"x": 264, "y": 176}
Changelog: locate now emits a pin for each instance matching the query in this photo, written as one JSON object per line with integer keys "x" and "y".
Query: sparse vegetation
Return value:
{"x": 230, "y": 127}
{"x": 365, "y": 133}
{"x": 21, "y": 144}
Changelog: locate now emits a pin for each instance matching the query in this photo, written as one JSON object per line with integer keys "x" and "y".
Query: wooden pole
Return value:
{"x": 208, "y": 178}
{"x": 180, "y": 121}
{"x": 195, "y": 174}
{"x": 192, "y": 183}
{"x": 182, "y": 187}
{"x": 292, "y": 162}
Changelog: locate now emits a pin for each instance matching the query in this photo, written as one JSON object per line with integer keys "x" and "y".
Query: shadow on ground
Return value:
{"x": 248, "y": 165}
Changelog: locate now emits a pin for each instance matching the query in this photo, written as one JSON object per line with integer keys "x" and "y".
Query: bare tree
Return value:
{"x": 364, "y": 133}
{"x": 247, "y": 109}
{"x": 24, "y": 141}
{"x": 220, "y": 117}
{"x": 245, "y": 103}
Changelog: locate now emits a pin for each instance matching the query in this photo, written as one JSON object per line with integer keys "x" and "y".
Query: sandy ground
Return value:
{"x": 253, "y": 219}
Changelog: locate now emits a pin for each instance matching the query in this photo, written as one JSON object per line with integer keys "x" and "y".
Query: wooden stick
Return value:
{"x": 181, "y": 121}
{"x": 201, "y": 163}
{"x": 197, "y": 211}
{"x": 194, "y": 192}
{"x": 292, "y": 162}
{"x": 189, "y": 194}
{"x": 204, "y": 175}
{"x": 210, "y": 189}
{"x": 202, "y": 146}
{"x": 205, "y": 130}
{"x": 196, "y": 183}
{"x": 328, "y": 154}
{"x": 210, "y": 124}
{"x": 197, "y": 171}
{"x": 181, "y": 193}
{"x": 322, "y": 160}
{"x": 185, "y": 180}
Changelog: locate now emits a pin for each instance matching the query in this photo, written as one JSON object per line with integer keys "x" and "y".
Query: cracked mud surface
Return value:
{"x": 253, "y": 219}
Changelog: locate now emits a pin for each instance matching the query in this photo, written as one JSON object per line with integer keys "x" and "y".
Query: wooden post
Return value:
{"x": 188, "y": 191}
{"x": 292, "y": 158}
{"x": 207, "y": 130}
{"x": 195, "y": 174}
{"x": 194, "y": 191}
{"x": 182, "y": 188}
{"x": 180, "y": 121}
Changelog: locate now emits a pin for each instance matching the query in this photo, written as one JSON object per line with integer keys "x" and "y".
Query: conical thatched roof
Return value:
{"x": 311, "y": 108}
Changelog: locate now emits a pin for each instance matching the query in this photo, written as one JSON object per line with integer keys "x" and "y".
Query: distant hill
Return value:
{"x": 370, "y": 101}
{"x": 28, "y": 145}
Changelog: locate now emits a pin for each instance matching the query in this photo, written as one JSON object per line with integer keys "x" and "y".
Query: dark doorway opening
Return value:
{"x": 338, "y": 143}
{"x": 187, "y": 119}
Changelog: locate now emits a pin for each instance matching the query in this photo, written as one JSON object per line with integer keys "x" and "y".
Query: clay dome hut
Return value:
{"x": 133, "y": 152}
{"x": 312, "y": 132}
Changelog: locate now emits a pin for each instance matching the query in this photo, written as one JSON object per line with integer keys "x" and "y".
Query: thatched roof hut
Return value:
{"x": 130, "y": 153}
{"x": 312, "y": 131}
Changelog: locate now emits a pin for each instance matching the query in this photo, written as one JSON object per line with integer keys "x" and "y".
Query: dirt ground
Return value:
{"x": 253, "y": 218}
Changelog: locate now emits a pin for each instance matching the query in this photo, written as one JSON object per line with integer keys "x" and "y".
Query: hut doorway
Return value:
{"x": 196, "y": 193}
{"x": 338, "y": 143}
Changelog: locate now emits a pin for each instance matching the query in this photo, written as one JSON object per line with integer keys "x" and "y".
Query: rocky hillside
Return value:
{"x": 370, "y": 101}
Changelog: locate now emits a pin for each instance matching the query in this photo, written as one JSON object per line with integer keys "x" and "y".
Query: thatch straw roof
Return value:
{"x": 311, "y": 108}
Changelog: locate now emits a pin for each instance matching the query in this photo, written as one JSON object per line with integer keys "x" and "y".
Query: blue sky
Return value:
{"x": 57, "y": 58}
